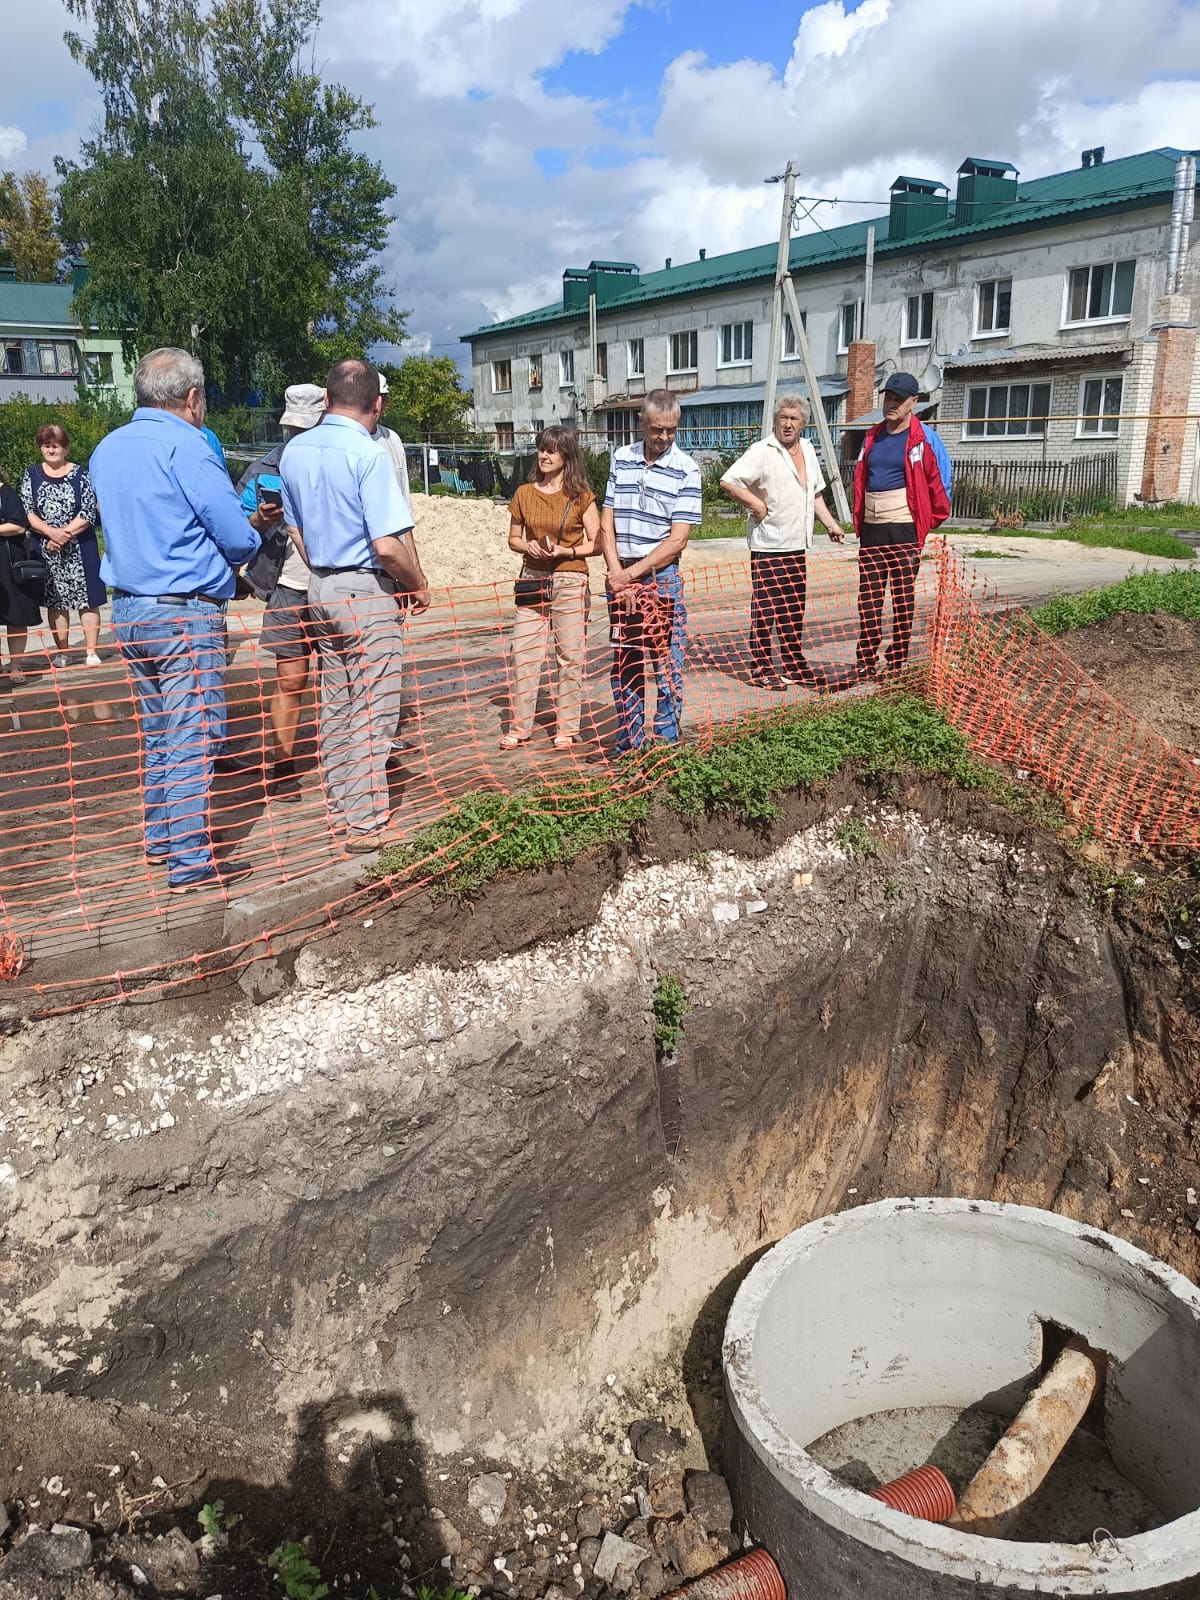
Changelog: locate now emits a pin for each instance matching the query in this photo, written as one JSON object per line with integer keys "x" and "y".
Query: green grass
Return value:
{"x": 746, "y": 774}
{"x": 1177, "y": 592}
{"x": 1111, "y": 533}
{"x": 716, "y": 526}
{"x": 983, "y": 554}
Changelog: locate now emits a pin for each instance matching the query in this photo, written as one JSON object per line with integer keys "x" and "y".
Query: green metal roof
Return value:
{"x": 920, "y": 183}
{"x": 43, "y": 305}
{"x": 1128, "y": 181}
{"x": 986, "y": 164}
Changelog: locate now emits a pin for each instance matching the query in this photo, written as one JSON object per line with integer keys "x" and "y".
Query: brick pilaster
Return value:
{"x": 860, "y": 375}
{"x": 1167, "y": 464}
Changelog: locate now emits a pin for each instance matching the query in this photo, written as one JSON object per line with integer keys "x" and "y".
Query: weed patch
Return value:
{"x": 1177, "y": 592}
{"x": 670, "y": 1008}
{"x": 746, "y": 773}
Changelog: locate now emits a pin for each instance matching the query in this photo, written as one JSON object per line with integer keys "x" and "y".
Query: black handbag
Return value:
{"x": 537, "y": 589}
{"x": 29, "y": 570}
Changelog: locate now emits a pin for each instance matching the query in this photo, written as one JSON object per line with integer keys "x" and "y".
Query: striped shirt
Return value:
{"x": 647, "y": 497}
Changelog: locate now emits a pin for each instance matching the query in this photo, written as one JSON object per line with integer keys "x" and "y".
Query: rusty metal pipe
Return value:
{"x": 1035, "y": 1439}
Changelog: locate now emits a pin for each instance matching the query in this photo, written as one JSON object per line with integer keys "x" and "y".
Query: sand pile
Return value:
{"x": 465, "y": 541}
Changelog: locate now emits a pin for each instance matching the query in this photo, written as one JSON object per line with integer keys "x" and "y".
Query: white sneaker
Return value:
{"x": 93, "y": 660}
{"x": 59, "y": 660}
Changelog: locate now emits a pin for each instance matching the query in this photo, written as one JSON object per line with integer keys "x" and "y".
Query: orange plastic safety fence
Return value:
{"x": 1018, "y": 697}
{"x": 92, "y": 758}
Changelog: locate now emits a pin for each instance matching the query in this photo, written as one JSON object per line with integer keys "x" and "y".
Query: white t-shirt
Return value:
{"x": 394, "y": 446}
{"x": 769, "y": 471}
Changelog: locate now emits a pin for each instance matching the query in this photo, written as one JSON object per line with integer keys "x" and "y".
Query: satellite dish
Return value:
{"x": 931, "y": 379}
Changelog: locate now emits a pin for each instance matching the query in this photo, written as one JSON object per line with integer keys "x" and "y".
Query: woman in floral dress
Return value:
{"x": 61, "y": 506}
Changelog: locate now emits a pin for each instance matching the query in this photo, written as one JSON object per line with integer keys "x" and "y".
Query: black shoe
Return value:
{"x": 218, "y": 878}
{"x": 768, "y": 680}
{"x": 283, "y": 784}
{"x": 228, "y": 766}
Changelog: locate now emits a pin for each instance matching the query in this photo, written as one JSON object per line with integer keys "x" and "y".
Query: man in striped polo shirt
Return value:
{"x": 651, "y": 505}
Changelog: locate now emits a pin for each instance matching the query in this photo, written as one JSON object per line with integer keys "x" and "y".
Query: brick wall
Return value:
{"x": 1170, "y": 451}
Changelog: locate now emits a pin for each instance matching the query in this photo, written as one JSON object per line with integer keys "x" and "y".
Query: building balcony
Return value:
{"x": 39, "y": 386}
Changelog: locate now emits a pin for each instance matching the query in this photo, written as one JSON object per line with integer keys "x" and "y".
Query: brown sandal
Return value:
{"x": 512, "y": 741}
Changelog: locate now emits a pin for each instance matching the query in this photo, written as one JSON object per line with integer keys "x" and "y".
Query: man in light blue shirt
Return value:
{"x": 173, "y": 533}
{"x": 350, "y": 519}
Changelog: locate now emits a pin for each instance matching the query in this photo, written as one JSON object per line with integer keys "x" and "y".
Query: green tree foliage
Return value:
{"x": 28, "y": 237}
{"x": 221, "y": 206}
{"x": 426, "y": 399}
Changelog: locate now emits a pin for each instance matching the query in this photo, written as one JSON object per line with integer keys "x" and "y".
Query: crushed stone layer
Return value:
{"x": 308, "y": 1033}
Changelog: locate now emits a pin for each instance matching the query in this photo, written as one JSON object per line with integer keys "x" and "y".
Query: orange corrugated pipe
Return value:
{"x": 753, "y": 1576}
{"x": 925, "y": 1492}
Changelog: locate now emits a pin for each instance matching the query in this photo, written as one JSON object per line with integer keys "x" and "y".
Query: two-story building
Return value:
{"x": 1046, "y": 321}
{"x": 44, "y": 353}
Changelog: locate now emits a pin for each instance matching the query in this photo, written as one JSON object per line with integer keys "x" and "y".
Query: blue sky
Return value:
{"x": 527, "y": 136}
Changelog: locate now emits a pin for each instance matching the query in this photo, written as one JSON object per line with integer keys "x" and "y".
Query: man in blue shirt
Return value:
{"x": 651, "y": 505}
{"x": 350, "y": 519}
{"x": 173, "y": 533}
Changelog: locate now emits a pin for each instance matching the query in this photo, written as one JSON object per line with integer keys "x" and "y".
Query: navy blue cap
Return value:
{"x": 903, "y": 384}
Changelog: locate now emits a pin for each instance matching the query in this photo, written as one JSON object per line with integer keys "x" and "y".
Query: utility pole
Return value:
{"x": 774, "y": 349}
{"x": 785, "y": 299}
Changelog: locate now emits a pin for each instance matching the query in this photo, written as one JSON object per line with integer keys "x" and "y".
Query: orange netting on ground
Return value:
{"x": 1018, "y": 697}
{"x": 86, "y": 917}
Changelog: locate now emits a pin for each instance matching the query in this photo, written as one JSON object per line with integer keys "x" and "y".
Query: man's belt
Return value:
{"x": 173, "y": 599}
{"x": 332, "y": 572}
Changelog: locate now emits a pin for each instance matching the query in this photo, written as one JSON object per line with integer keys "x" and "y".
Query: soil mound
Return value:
{"x": 1150, "y": 661}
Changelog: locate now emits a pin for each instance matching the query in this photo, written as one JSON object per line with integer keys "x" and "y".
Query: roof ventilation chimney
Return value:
{"x": 984, "y": 187}
{"x": 916, "y": 204}
{"x": 668, "y": 264}
{"x": 1085, "y": 158}
{"x": 703, "y": 253}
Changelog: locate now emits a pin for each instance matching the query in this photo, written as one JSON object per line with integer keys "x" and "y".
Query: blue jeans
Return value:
{"x": 630, "y": 650}
{"x": 176, "y": 656}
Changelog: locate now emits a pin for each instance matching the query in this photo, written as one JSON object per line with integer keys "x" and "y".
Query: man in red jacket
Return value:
{"x": 901, "y": 491}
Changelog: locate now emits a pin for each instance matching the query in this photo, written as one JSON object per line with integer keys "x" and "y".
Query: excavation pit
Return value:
{"x": 847, "y": 1335}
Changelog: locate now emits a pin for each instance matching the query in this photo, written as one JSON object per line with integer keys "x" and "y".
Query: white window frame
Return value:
{"x": 566, "y": 369}
{"x": 738, "y": 338}
{"x": 1113, "y": 421}
{"x": 1109, "y": 317}
{"x": 692, "y": 335}
{"x": 497, "y": 388}
{"x": 88, "y": 358}
{"x": 994, "y": 332}
{"x": 843, "y": 344}
{"x": 786, "y": 328}
{"x": 923, "y": 301}
{"x": 536, "y": 363}
{"x": 636, "y": 368}
{"x": 982, "y": 436}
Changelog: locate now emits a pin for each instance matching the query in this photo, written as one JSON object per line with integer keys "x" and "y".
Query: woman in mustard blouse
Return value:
{"x": 554, "y": 528}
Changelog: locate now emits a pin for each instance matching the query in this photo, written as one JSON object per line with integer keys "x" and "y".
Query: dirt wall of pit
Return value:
{"x": 472, "y": 1199}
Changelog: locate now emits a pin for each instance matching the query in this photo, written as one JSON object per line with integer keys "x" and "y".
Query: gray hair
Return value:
{"x": 660, "y": 403}
{"x": 164, "y": 377}
{"x": 792, "y": 402}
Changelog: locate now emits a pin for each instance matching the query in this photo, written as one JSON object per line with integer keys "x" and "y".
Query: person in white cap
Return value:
{"x": 279, "y": 575}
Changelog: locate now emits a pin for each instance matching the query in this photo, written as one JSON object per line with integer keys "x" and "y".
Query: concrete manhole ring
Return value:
{"x": 945, "y": 1302}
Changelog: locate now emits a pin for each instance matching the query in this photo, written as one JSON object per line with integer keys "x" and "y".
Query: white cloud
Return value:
{"x": 13, "y": 143}
{"x": 869, "y": 90}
